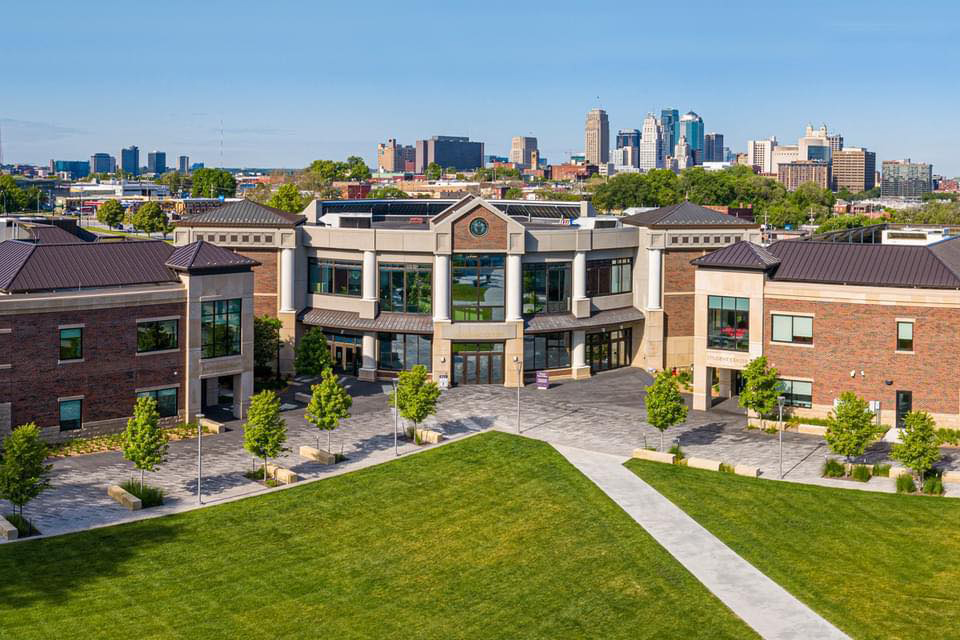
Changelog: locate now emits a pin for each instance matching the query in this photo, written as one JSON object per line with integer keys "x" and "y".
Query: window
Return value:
{"x": 609, "y": 349}
{"x": 546, "y": 351}
{"x": 335, "y": 277}
{"x": 220, "y": 328}
{"x": 405, "y": 288}
{"x": 477, "y": 287}
{"x": 606, "y": 277}
{"x": 795, "y": 329}
{"x": 166, "y": 400}
{"x": 904, "y": 336}
{"x": 546, "y": 288}
{"x": 157, "y": 335}
{"x": 401, "y": 351}
{"x": 797, "y": 393}
{"x": 728, "y": 323}
{"x": 71, "y": 344}
{"x": 71, "y": 415}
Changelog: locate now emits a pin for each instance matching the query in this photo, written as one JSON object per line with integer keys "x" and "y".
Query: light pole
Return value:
{"x": 518, "y": 365}
{"x": 396, "y": 417}
{"x": 199, "y": 456}
{"x": 780, "y": 401}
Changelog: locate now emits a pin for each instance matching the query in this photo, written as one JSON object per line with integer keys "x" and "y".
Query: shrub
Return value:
{"x": 861, "y": 473}
{"x": 677, "y": 451}
{"x": 948, "y": 436}
{"x": 905, "y": 484}
{"x": 260, "y": 475}
{"x": 933, "y": 485}
{"x": 149, "y": 496}
{"x": 833, "y": 469}
{"x": 881, "y": 470}
{"x": 24, "y": 527}
{"x": 684, "y": 377}
{"x": 726, "y": 468}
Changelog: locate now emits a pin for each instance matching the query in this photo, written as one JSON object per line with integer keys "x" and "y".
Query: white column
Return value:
{"x": 369, "y": 275}
{"x": 654, "y": 275}
{"x": 441, "y": 288}
{"x": 514, "y": 288}
{"x": 369, "y": 355}
{"x": 579, "y": 275}
{"x": 287, "y": 279}
{"x": 579, "y": 349}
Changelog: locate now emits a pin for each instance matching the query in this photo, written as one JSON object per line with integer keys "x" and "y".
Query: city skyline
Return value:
{"x": 276, "y": 109}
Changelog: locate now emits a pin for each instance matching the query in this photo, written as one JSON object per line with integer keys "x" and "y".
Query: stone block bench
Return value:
{"x": 429, "y": 436}
{"x": 124, "y": 497}
{"x": 744, "y": 470}
{"x": 317, "y": 455}
{"x": 951, "y": 476}
{"x": 7, "y": 531}
{"x": 302, "y": 397}
{"x": 654, "y": 456}
{"x": 703, "y": 463}
{"x": 286, "y": 476}
{"x": 212, "y": 426}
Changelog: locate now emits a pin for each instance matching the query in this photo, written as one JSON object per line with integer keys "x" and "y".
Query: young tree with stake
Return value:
{"x": 144, "y": 444}
{"x": 919, "y": 450}
{"x": 761, "y": 388}
{"x": 850, "y": 427}
{"x": 24, "y": 473}
{"x": 329, "y": 404}
{"x": 264, "y": 432}
{"x": 418, "y": 395}
{"x": 665, "y": 406}
{"x": 313, "y": 354}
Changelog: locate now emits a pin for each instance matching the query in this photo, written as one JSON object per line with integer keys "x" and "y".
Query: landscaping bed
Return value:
{"x": 876, "y": 565}
{"x": 493, "y": 536}
{"x": 114, "y": 442}
{"x": 24, "y": 526}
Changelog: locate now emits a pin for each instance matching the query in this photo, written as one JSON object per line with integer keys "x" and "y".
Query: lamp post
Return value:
{"x": 780, "y": 401}
{"x": 199, "y": 457}
{"x": 396, "y": 417}
{"x": 518, "y": 365}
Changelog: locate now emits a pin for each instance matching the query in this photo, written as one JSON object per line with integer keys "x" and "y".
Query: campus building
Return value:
{"x": 88, "y": 327}
{"x": 859, "y": 310}
{"x": 477, "y": 291}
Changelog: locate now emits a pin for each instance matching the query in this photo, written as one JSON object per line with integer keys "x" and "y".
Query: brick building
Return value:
{"x": 87, "y": 327}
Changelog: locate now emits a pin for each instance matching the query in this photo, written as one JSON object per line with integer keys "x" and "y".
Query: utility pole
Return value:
{"x": 199, "y": 457}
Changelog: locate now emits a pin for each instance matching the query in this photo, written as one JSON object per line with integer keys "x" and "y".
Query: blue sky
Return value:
{"x": 293, "y": 82}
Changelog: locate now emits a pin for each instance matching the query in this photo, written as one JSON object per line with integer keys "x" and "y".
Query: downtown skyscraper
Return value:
{"x": 652, "y": 139}
{"x": 596, "y": 138}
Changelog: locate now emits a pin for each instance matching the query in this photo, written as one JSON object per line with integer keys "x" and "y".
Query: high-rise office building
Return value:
{"x": 393, "y": 157}
{"x": 836, "y": 142}
{"x": 691, "y": 128}
{"x": 651, "y": 144}
{"x": 854, "y": 169}
{"x": 905, "y": 179}
{"x": 682, "y": 154}
{"x": 815, "y": 144}
{"x": 102, "y": 163}
{"x": 522, "y": 149}
{"x": 75, "y": 168}
{"x": 793, "y": 174}
{"x": 783, "y": 154}
{"x": 625, "y": 158}
{"x": 157, "y": 162}
{"x": 670, "y": 128}
{"x": 760, "y": 154}
{"x": 628, "y": 138}
{"x": 596, "y": 137}
{"x": 713, "y": 147}
{"x": 457, "y": 152}
{"x": 183, "y": 164}
{"x": 130, "y": 160}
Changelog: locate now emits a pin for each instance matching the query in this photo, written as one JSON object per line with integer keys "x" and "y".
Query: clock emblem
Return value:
{"x": 478, "y": 227}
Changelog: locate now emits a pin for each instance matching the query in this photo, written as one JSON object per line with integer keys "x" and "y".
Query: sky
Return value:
{"x": 292, "y": 82}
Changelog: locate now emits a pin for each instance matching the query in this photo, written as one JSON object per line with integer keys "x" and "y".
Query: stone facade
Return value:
{"x": 495, "y": 239}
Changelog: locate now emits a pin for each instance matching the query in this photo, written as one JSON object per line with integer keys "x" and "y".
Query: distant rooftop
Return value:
{"x": 381, "y": 210}
{"x": 243, "y": 213}
{"x": 685, "y": 214}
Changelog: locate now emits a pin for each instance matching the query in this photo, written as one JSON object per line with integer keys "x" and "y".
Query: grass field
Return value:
{"x": 496, "y": 536}
{"x": 875, "y": 565}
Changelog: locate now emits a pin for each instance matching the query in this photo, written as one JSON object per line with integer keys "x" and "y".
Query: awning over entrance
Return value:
{"x": 386, "y": 322}
{"x": 568, "y": 322}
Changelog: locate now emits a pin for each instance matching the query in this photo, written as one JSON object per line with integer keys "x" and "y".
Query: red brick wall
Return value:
{"x": 265, "y": 280}
{"x": 494, "y": 240}
{"x": 678, "y": 273}
{"x": 108, "y": 376}
{"x": 678, "y": 315}
{"x": 855, "y": 337}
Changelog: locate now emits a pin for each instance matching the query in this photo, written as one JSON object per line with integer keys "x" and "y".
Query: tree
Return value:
{"x": 313, "y": 354}
{"x": 110, "y": 213}
{"x": 918, "y": 450}
{"x": 850, "y": 427}
{"x": 266, "y": 344}
{"x": 264, "y": 432}
{"x": 144, "y": 444}
{"x": 837, "y": 223}
{"x": 288, "y": 198}
{"x": 24, "y": 473}
{"x": 173, "y": 180}
{"x": 433, "y": 171}
{"x": 151, "y": 219}
{"x": 665, "y": 406}
{"x": 418, "y": 395}
{"x": 382, "y": 193}
{"x": 513, "y": 193}
{"x": 213, "y": 183}
{"x": 761, "y": 388}
{"x": 11, "y": 195}
{"x": 357, "y": 169}
{"x": 329, "y": 404}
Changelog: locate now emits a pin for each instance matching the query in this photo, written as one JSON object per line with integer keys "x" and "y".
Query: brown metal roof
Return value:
{"x": 243, "y": 213}
{"x": 28, "y": 267}
{"x": 388, "y": 322}
{"x": 201, "y": 256}
{"x": 567, "y": 321}
{"x": 740, "y": 255}
{"x": 685, "y": 214}
{"x": 50, "y": 234}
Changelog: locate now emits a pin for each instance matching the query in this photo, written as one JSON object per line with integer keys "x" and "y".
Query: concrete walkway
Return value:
{"x": 763, "y": 604}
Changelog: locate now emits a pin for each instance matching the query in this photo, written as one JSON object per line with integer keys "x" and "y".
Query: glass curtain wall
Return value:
{"x": 405, "y": 288}
{"x": 477, "y": 289}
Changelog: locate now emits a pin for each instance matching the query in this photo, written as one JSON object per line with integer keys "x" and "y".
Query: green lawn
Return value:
{"x": 875, "y": 565}
{"x": 496, "y": 536}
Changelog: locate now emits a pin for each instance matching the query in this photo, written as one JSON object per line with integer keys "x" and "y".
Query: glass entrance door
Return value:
{"x": 345, "y": 351}
{"x": 904, "y": 406}
{"x": 608, "y": 349}
{"x": 478, "y": 363}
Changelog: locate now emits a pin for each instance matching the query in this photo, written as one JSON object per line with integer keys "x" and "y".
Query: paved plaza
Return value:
{"x": 604, "y": 414}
